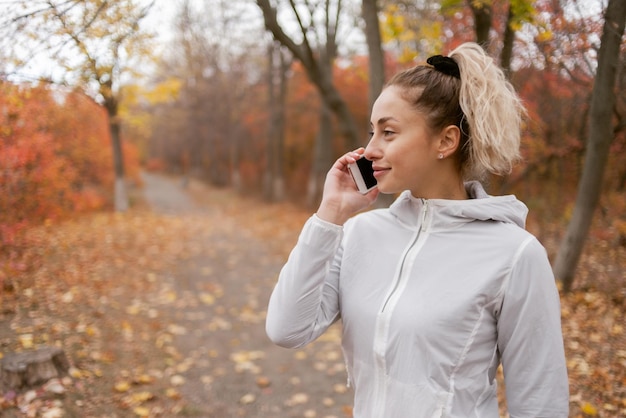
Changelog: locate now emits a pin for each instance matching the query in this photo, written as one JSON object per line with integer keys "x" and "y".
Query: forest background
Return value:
{"x": 261, "y": 97}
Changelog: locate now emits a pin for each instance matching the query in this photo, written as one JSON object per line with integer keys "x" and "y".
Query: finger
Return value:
{"x": 356, "y": 154}
{"x": 346, "y": 159}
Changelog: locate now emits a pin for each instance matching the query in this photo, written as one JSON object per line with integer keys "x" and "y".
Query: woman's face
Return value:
{"x": 402, "y": 147}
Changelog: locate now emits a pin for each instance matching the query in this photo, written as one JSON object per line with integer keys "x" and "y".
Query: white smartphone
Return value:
{"x": 363, "y": 174}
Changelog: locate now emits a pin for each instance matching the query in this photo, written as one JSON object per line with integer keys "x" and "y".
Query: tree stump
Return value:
{"x": 25, "y": 370}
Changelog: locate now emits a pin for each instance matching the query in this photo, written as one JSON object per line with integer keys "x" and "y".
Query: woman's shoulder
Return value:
{"x": 377, "y": 221}
{"x": 371, "y": 216}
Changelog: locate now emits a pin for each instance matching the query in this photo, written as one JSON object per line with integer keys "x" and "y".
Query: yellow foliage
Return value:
{"x": 141, "y": 397}
{"x": 410, "y": 33}
{"x": 479, "y": 4}
{"x": 122, "y": 387}
{"x": 172, "y": 393}
{"x": 393, "y": 24}
{"x": 164, "y": 91}
{"x": 432, "y": 31}
{"x": 26, "y": 340}
{"x": 589, "y": 409}
{"x": 523, "y": 11}
{"x": 544, "y": 36}
{"x": 407, "y": 55}
{"x": 76, "y": 373}
{"x": 144, "y": 379}
{"x": 141, "y": 411}
{"x": 207, "y": 298}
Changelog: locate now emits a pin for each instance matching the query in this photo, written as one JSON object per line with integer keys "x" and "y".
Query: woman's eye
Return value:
{"x": 384, "y": 133}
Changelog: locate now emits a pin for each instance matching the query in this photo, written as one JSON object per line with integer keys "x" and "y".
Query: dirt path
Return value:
{"x": 167, "y": 195}
{"x": 229, "y": 367}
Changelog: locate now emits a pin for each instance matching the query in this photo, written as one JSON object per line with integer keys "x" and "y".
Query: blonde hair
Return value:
{"x": 482, "y": 103}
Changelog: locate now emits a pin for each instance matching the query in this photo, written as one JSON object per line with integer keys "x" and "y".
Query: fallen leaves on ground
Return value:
{"x": 145, "y": 308}
{"x": 160, "y": 315}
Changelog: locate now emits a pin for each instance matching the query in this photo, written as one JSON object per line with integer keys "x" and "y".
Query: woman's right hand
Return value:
{"x": 341, "y": 199}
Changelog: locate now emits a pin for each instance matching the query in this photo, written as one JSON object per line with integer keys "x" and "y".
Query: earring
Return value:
{"x": 440, "y": 156}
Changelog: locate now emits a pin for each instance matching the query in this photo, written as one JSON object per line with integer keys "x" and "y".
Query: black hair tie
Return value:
{"x": 445, "y": 65}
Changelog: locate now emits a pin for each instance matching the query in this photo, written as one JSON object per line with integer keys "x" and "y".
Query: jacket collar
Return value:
{"x": 447, "y": 214}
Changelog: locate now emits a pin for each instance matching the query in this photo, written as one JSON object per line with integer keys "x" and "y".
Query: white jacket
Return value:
{"x": 433, "y": 295}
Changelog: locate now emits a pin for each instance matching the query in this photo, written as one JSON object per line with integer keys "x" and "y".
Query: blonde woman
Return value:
{"x": 438, "y": 290}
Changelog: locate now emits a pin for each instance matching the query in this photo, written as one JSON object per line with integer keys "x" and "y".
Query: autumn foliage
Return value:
{"x": 55, "y": 156}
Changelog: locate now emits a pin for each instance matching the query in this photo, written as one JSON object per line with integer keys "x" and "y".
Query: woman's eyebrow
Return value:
{"x": 384, "y": 120}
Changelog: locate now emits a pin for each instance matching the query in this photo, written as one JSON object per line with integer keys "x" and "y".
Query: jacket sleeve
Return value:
{"x": 530, "y": 339}
{"x": 305, "y": 301}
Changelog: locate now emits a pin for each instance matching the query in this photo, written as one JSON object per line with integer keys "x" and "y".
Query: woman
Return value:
{"x": 438, "y": 290}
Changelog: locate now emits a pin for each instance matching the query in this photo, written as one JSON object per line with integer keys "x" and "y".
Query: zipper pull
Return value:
{"x": 424, "y": 213}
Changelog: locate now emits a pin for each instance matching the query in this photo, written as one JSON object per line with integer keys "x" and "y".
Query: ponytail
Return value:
{"x": 493, "y": 111}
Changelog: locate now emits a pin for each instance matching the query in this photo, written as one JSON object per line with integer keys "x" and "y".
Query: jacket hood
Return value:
{"x": 445, "y": 213}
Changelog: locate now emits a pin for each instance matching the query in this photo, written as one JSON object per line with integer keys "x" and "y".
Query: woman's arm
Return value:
{"x": 530, "y": 339}
{"x": 305, "y": 301}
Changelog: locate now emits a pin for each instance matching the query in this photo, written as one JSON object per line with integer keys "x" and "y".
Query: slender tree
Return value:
{"x": 482, "y": 12}
{"x": 279, "y": 62}
{"x": 374, "y": 48}
{"x": 601, "y": 134}
{"x": 507, "y": 42}
{"x": 376, "y": 65}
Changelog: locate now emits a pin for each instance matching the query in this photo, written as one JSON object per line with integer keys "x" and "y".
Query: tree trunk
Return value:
{"x": 234, "y": 133}
{"x": 507, "y": 43}
{"x": 120, "y": 194}
{"x": 268, "y": 175}
{"x": 376, "y": 68}
{"x": 279, "y": 169}
{"x": 334, "y": 101}
{"x": 482, "y": 21}
{"x": 322, "y": 157}
{"x": 599, "y": 140}
{"x": 274, "y": 184}
{"x": 375, "y": 50}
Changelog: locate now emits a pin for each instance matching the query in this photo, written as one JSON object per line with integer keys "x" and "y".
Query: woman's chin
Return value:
{"x": 385, "y": 190}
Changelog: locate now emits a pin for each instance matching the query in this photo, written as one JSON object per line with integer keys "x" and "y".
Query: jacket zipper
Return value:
{"x": 384, "y": 316}
{"x": 401, "y": 275}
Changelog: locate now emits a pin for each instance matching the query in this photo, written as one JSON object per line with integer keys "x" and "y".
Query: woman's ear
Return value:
{"x": 449, "y": 141}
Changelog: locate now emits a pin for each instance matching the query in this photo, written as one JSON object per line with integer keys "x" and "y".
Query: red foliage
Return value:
{"x": 55, "y": 156}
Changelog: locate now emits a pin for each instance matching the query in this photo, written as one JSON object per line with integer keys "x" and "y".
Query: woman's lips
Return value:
{"x": 378, "y": 171}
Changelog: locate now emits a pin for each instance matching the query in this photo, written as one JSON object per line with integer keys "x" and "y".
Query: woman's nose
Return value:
{"x": 372, "y": 151}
